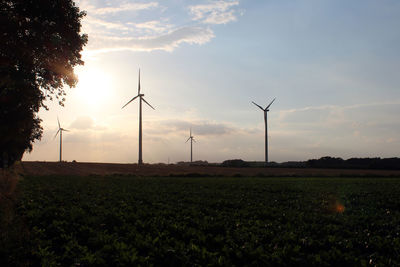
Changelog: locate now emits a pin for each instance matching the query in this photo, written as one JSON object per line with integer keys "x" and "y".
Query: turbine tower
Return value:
{"x": 266, "y": 127}
{"x": 60, "y": 130}
{"x": 191, "y": 138}
{"x": 141, "y": 98}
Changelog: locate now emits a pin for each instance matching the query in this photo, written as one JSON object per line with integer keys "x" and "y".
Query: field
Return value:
{"x": 123, "y": 220}
{"x": 85, "y": 169}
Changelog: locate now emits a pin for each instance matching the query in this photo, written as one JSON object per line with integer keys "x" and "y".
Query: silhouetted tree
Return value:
{"x": 40, "y": 43}
{"x": 326, "y": 162}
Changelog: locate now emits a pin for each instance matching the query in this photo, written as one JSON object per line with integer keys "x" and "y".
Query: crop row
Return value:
{"x": 125, "y": 221}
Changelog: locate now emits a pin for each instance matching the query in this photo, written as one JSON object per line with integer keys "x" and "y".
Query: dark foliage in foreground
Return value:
{"x": 40, "y": 45}
{"x": 125, "y": 221}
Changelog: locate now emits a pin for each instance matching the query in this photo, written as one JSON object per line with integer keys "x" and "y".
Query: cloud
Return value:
{"x": 369, "y": 129}
{"x": 123, "y": 8}
{"x": 215, "y": 12}
{"x": 335, "y": 114}
{"x": 82, "y": 123}
{"x": 85, "y": 123}
{"x": 182, "y": 127}
{"x": 87, "y": 136}
{"x": 202, "y": 127}
{"x": 111, "y": 30}
{"x": 100, "y": 23}
{"x": 153, "y": 26}
{"x": 97, "y": 27}
{"x": 166, "y": 42}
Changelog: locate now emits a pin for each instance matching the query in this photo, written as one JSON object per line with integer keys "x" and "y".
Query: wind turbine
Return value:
{"x": 266, "y": 126}
{"x": 191, "y": 138}
{"x": 140, "y": 160}
{"x": 60, "y": 130}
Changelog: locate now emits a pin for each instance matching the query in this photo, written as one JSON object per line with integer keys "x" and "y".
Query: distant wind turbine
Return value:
{"x": 191, "y": 138}
{"x": 140, "y": 160}
{"x": 266, "y": 126}
{"x": 60, "y": 130}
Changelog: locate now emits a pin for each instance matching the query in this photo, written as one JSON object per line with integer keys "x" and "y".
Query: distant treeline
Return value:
{"x": 355, "y": 163}
{"x": 324, "y": 162}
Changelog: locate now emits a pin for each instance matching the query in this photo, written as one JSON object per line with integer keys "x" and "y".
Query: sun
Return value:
{"x": 94, "y": 86}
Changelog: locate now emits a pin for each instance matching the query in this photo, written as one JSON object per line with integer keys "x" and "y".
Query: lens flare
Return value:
{"x": 339, "y": 208}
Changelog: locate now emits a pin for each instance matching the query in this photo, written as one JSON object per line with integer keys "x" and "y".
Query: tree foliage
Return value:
{"x": 40, "y": 44}
{"x": 355, "y": 163}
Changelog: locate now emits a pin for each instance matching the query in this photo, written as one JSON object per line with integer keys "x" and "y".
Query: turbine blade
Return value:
{"x": 139, "y": 83}
{"x": 257, "y": 105}
{"x": 58, "y": 123}
{"x": 56, "y": 134}
{"x": 190, "y": 131}
{"x": 130, "y": 101}
{"x": 187, "y": 140}
{"x": 270, "y": 104}
{"x": 148, "y": 103}
{"x": 194, "y": 140}
{"x": 65, "y": 130}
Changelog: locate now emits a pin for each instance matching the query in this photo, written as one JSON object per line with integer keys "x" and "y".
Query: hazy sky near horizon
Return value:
{"x": 332, "y": 65}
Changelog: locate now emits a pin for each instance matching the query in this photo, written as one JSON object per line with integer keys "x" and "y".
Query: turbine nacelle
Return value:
{"x": 140, "y": 95}
{"x": 59, "y": 129}
{"x": 191, "y": 137}
{"x": 266, "y": 109}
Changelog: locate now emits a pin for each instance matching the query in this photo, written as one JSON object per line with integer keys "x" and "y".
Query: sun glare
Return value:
{"x": 94, "y": 86}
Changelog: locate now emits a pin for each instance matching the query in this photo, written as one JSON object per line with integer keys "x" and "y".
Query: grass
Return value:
{"x": 125, "y": 221}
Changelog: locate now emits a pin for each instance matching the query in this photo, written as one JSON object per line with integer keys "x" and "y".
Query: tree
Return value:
{"x": 40, "y": 44}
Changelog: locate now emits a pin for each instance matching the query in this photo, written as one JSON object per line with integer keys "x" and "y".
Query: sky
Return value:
{"x": 332, "y": 65}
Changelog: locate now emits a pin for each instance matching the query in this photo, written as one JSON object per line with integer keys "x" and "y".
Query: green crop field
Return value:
{"x": 129, "y": 221}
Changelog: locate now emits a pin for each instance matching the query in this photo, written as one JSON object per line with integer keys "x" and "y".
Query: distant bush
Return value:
{"x": 355, "y": 163}
{"x": 326, "y": 162}
{"x": 235, "y": 163}
{"x": 194, "y": 163}
{"x": 323, "y": 163}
